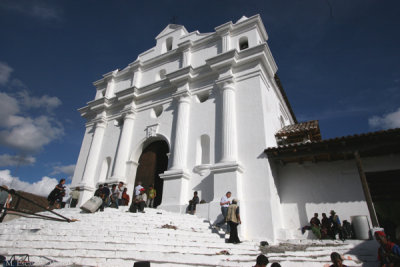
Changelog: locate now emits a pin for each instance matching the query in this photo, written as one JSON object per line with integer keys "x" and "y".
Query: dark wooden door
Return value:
{"x": 152, "y": 162}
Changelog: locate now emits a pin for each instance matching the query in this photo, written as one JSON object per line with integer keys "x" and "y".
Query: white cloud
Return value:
{"x": 67, "y": 169}
{"x": 390, "y": 120}
{"x": 31, "y": 135}
{"x": 8, "y": 107}
{"x": 48, "y": 102}
{"x": 5, "y": 72}
{"x": 41, "y": 188}
{"x": 27, "y": 133}
{"x": 45, "y": 12}
{"x": 16, "y": 160}
{"x": 35, "y": 9}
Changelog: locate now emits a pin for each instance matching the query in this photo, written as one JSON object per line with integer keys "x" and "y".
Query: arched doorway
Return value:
{"x": 152, "y": 162}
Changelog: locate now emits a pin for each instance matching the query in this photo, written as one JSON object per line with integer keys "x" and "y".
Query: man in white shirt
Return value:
{"x": 225, "y": 202}
{"x": 137, "y": 188}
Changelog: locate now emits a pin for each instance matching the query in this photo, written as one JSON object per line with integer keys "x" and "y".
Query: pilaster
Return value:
{"x": 228, "y": 119}
{"x": 176, "y": 178}
{"x": 137, "y": 78}
{"x": 88, "y": 179}
{"x": 226, "y": 42}
{"x": 179, "y": 150}
{"x": 124, "y": 147}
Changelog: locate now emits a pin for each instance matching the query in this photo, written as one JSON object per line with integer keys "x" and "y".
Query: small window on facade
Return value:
{"x": 168, "y": 44}
{"x": 243, "y": 43}
{"x": 103, "y": 93}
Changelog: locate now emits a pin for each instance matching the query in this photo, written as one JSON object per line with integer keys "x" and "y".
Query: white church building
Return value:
{"x": 206, "y": 112}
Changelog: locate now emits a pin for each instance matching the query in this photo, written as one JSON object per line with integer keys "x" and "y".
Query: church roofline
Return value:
{"x": 369, "y": 144}
{"x": 205, "y": 37}
{"x": 174, "y": 27}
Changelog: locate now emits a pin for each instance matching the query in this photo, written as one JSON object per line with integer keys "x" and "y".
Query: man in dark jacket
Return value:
{"x": 233, "y": 219}
{"x": 105, "y": 193}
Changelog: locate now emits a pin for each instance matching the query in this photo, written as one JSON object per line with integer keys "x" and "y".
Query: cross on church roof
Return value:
{"x": 173, "y": 19}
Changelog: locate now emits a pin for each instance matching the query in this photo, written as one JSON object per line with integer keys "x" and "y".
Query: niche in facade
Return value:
{"x": 203, "y": 150}
{"x": 203, "y": 155}
{"x": 243, "y": 43}
{"x": 157, "y": 111}
{"x": 167, "y": 45}
{"x": 105, "y": 168}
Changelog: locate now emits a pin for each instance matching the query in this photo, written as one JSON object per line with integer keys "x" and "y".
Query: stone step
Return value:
{"x": 93, "y": 231}
{"x": 78, "y": 257}
{"x": 104, "y": 246}
{"x": 117, "y": 238}
{"x": 11, "y": 240}
{"x": 170, "y": 259}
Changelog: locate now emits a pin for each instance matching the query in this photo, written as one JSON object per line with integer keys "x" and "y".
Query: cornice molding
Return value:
{"x": 226, "y": 167}
{"x": 175, "y": 174}
{"x": 224, "y": 28}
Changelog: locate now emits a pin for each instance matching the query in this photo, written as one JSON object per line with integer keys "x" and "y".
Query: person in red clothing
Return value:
{"x": 125, "y": 197}
{"x": 388, "y": 252}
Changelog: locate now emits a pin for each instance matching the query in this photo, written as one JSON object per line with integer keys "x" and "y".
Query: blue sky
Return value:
{"x": 339, "y": 63}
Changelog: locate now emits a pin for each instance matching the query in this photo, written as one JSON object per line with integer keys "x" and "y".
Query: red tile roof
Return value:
{"x": 308, "y": 126}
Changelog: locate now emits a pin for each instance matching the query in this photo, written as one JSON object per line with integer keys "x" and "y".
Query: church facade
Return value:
{"x": 197, "y": 112}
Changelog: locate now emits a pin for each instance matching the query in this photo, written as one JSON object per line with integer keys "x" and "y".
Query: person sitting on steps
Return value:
{"x": 139, "y": 202}
{"x": 193, "y": 203}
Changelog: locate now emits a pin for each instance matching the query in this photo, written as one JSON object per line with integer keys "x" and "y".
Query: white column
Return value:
{"x": 94, "y": 153}
{"x": 176, "y": 178}
{"x": 124, "y": 148}
{"x": 179, "y": 150}
{"x": 229, "y": 145}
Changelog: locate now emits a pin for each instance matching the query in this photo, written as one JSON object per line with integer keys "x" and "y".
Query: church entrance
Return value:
{"x": 152, "y": 162}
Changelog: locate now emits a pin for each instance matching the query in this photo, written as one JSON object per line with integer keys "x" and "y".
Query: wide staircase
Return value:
{"x": 119, "y": 238}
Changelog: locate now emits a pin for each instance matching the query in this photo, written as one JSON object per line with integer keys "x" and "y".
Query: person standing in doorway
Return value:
{"x": 233, "y": 220}
{"x": 152, "y": 196}
{"x": 225, "y": 202}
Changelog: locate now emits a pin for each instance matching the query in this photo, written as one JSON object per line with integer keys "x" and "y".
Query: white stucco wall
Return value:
{"x": 320, "y": 187}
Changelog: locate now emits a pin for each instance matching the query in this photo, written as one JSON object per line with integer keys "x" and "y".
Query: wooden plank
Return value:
{"x": 365, "y": 187}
